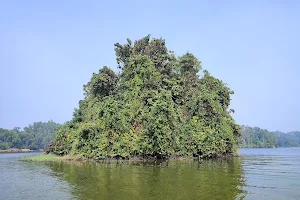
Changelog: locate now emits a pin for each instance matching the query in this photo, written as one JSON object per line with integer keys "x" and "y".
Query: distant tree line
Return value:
{"x": 254, "y": 137}
{"x": 35, "y": 136}
{"x": 290, "y": 139}
{"x": 39, "y": 135}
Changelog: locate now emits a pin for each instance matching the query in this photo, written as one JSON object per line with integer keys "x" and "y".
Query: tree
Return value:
{"x": 102, "y": 84}
{"x": 158, "y": 106}
{"x": 35, "y": 136}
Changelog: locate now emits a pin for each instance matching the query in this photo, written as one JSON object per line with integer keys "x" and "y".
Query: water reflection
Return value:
{"x": 212, "y": 179}
{"x": 257, "y": 174}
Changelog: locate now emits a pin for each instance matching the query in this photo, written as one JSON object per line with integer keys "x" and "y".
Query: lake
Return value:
{"x": 256, "y": 174}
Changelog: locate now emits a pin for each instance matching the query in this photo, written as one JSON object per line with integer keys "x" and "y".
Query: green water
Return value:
{"x": 257, "y": 174}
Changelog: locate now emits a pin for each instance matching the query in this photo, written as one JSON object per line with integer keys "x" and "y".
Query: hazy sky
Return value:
{"x": 49, "y": 49}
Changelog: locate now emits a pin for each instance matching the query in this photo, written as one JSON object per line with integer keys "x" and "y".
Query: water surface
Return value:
{"x": 271, "y": 173}
{"x": 256, "y": 174}
{"x": 29, "y": 180}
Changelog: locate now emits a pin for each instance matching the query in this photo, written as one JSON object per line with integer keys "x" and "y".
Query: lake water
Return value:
{"x": 256, "y": 174}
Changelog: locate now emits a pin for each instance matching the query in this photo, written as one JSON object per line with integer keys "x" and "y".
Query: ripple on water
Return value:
{"x": 257, "y": 174}
{"x": 271, "y": 173}
{"x": 29, "y": 180}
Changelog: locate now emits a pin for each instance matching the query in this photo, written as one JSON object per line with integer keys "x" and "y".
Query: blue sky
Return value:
{"x": 49, "y": 49}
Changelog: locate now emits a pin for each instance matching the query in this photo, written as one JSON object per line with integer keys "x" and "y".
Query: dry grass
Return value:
{"x": 50, "y": 157}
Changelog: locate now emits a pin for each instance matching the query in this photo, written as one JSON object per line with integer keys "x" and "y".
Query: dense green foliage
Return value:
{"x": 35, "y": 136}
{"x": 290, "y": 139}
{"x": 254, "y": 137}
{"x": 157, "y": 106}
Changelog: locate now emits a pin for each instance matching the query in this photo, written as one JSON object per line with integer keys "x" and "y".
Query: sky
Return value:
{"x": 49, "y": 50}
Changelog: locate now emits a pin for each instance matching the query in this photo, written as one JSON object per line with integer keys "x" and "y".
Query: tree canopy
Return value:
{"x": 35, "y": 136}
{"x": 254, "y": 137}
{"x": 157, "y": 106}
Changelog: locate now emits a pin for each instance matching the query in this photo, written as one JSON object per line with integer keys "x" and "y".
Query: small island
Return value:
{"x": 158, "y": 106}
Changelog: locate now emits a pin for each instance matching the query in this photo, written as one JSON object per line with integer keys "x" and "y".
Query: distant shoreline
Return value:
{"x": 14, "y": 150}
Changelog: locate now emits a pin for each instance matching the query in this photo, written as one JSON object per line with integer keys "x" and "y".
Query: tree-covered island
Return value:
{"x": 158, "y": 106}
